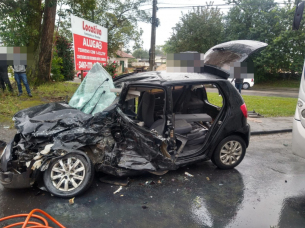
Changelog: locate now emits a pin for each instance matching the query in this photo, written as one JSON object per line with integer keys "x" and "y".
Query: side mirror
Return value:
{"x": 298, "y": 16}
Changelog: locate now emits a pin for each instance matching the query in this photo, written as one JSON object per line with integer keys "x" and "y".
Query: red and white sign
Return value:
{"x": 90, "y": 43}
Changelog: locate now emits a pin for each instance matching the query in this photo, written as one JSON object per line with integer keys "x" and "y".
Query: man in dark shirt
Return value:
{"x": 4, "y": 80}
{"x": 238, "y": 83}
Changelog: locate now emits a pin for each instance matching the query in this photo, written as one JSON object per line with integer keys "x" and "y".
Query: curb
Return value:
{"x": 270, "y": 132}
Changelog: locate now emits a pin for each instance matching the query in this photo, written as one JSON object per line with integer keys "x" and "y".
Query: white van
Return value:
{"x": 298, "y": 131}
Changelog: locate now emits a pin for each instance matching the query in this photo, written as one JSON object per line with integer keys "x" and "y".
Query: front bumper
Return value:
{"x": 15, "y": 180}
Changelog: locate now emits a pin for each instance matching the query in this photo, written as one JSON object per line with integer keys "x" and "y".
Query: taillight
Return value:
{"x": 243, "y": 109}
{"x": 252, "y": 80}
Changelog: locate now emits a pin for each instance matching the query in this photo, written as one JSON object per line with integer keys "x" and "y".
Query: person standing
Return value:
{"x": 4, "y": 80}
{"x": 238, "y": 83}
{"x": 20, "y": 75}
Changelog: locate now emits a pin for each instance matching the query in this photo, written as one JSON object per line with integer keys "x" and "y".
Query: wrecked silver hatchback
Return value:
{"x": 146, "y": 122}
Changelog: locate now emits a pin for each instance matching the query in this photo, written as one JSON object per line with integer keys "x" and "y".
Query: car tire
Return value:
{"x": 246, "y": 85}
{"x": 224, "y": 156}
{"x": 69, "y": 176}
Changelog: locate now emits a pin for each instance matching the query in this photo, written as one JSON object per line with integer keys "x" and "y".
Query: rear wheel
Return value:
{"x": 230, "y": 152}
{"x": 246, "y": 85}
{"x": 68, "y": 176}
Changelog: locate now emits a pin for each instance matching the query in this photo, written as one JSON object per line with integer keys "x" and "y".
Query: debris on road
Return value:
{"x": 188, "y": 174}
{"x": 150, "y": 183}
{"x": 208, "y": 178}
{"x": 119, "y": 189}
{"x": 71, "y": 201}
{"x": 197, "y": 202}
{"x": 144, "y": 207}
{"x": 115, "y": 180}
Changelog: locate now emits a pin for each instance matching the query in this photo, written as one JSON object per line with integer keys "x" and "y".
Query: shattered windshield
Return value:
{"x": 93, "y": 95}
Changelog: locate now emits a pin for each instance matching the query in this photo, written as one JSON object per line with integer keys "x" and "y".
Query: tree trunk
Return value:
{"x": 33, "y": 23}
{"x": 46, "y": 42}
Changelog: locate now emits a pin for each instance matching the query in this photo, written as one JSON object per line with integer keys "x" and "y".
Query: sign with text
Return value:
{"x": 90, "y": 43}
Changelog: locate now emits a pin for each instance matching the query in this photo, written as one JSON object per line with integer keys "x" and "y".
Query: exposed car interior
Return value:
{"x": 194, "y": 114}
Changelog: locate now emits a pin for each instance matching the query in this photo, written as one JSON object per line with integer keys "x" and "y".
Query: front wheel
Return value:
{"x": 230, "y": 152}
{"x": 69, "y": 176}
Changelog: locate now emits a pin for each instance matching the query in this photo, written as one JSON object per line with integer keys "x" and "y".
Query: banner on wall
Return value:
{"x": 90, "y": 43}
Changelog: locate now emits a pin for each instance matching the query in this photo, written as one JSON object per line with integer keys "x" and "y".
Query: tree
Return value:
{"x": 65, "y": 52}
{"x": 141, "y": 54}
{"x": 32, "y": 23}
{"x": 22, "y": 25}
{"x": 119, "y": 17}
{"x": 265, "y": 21}
{"x": 198, "y": 30}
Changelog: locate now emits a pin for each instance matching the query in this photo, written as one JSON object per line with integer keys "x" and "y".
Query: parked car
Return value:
{"x": 79, "y": 75}
{"x": 143, "y": 122}
{"x": 248, "y": 82}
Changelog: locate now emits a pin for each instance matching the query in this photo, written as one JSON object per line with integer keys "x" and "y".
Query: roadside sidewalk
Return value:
{"x": 270, "y": 125}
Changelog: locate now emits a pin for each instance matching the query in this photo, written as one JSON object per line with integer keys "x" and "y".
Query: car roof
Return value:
{"x": 161, "y": 77}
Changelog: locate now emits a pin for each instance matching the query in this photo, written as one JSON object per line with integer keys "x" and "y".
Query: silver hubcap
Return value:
{"x": 68, "y": 174}
{"x": 230, "y": 152}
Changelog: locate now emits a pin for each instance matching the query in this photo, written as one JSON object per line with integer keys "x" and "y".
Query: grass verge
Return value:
{"x": 46, "y": 93}
{"x": 278, "y": 84}
{"x": 266, "y": 106}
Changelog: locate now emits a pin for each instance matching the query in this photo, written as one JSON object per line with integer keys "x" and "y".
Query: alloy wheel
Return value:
{"x": 67, "y": 174}
{"x": 230, "y": 152}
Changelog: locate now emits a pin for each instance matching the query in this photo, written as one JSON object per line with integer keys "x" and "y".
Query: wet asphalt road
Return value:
{"x": 255, "y": 194}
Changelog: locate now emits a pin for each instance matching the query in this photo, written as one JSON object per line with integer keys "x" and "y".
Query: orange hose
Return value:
{"x": 31, "y": 215}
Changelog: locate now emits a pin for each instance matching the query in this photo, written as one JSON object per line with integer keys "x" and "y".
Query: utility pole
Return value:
{"x": 154, "y": 24}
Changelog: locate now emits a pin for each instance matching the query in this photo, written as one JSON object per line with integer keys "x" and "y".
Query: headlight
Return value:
{"x": 300, "y": 104}
{"x": 303, "y": 113}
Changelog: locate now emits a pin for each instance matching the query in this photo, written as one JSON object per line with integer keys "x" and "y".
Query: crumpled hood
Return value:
{"x": 67, "y": 127}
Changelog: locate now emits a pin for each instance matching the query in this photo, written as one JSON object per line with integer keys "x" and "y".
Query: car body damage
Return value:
{"x": 145, "y": 122}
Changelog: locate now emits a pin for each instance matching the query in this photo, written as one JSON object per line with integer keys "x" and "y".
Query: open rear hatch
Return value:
{"x": 218, "y": 58}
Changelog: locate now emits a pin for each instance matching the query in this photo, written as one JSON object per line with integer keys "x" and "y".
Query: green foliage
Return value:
{"x": 111, "y": 68}
{"x": 198, "y": 30}
{"x": 56, "y": 67}
{"x": 120, "y": 17}
{"x": 265, "y": 21}
{"x": 141, "y": 54}
{"x": 20, "y": 22}
{"x": 65, "y": 52}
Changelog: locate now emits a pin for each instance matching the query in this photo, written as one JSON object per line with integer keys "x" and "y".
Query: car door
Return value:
{"x": 142, "y": 147}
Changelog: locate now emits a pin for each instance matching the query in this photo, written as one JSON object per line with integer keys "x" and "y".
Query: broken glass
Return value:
{"x": 94, "y": 95}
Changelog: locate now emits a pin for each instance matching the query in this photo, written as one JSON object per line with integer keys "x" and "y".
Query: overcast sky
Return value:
{"x": 169, "y": 17}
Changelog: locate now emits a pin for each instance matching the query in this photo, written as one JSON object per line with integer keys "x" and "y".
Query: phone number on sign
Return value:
{"x": 85, "y": 65}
